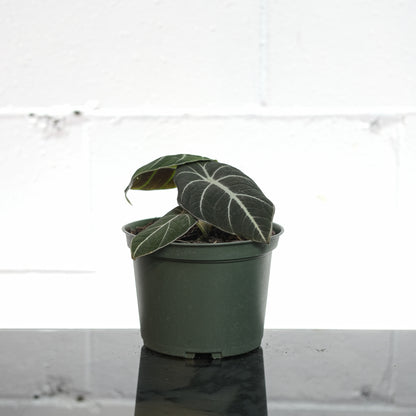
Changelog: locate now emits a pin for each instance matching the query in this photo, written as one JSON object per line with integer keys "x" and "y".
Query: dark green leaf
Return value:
{"x": 162, "y": 232}
{"x": 226, "y": 198}
{"x": 159, "y": 173}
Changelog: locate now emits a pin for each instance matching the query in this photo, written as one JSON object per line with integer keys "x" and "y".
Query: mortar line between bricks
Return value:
{"x": 338, "y": 406}
{"x": 45, "y": 271}
{"x": 385, "y": 382}
{"x": 395, "y": 140}
{"x": 393, "y": 357}
{"x": 219, "y": 113}
{"x": 263, "y": 53}
{"x": 377, "y": 408}
{"x": 391, "y": 390}
{"x": 89, "y": 168}
{"x": 88, "y": 354}
{"x": 397, "y": 145}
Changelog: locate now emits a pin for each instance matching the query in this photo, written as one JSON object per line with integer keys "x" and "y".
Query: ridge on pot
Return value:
{"x": 200, "y": 297}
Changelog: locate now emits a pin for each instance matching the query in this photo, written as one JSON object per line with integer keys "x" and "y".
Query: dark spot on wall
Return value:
{"x": 365, "y": 391}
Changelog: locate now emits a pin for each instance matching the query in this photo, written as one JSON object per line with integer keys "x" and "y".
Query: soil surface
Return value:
{"x": 194, "y": 235}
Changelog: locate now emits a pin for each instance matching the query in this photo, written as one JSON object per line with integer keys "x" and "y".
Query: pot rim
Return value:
{"x": 276, "y": 227}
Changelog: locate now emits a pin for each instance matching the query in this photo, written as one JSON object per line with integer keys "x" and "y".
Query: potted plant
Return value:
{"x": 202, "y": 269}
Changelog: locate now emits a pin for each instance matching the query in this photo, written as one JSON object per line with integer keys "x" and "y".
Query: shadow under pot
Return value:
{"x": 202, "y": 298}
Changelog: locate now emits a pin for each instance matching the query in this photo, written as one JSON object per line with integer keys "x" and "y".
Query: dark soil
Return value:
{"x": 194, "y": 235}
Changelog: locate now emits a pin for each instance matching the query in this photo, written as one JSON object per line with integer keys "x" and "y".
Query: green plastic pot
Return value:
{"x": 203, "y": 298}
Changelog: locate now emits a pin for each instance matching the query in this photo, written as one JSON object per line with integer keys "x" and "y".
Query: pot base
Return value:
{"x": 204, "y": 298}
{"x": 179, "y": 351}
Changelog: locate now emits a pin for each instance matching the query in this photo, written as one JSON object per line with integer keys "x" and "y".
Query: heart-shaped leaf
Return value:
{"x": 226, "y": 198}
{"x": 162, "y": 232}
{"x": 159, "y": 173}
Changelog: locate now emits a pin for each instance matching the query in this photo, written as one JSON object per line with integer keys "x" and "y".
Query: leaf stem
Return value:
{"x": 204, "y": 227}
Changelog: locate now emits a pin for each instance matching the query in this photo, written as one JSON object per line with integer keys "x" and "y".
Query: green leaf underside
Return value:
{"x": 159, "y": 173}
{"x": 162, "y": 232}
{"x": 226, "y": 198}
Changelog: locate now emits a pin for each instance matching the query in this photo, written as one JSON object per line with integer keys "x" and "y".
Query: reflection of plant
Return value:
{"x": 209, "y": 194}
{"x": 201, "y": 388}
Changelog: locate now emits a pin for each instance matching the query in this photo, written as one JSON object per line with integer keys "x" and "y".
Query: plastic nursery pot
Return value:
{"x": 203, "y": 298}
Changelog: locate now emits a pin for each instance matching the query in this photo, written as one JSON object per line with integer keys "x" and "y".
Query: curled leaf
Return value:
{"x": 159, "y": 173}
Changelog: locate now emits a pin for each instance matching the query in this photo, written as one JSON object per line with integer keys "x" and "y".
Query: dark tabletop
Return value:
{"x": 295, "y": 372}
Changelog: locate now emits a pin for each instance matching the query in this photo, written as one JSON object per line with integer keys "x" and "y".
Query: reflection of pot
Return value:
{"x": 170, "y": 386}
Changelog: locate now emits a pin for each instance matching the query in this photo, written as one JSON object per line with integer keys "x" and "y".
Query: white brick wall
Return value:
{"x": 340, "y": 53}
{"x": 315, "y": 100}
{"x": 181, "y": 53}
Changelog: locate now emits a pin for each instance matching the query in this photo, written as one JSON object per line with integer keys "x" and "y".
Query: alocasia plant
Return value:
{"x": 209, "y": 194}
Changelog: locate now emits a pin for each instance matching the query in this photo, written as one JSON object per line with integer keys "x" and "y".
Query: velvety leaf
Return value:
{"x": 162, "y": 232}
{"x": 226, "y": 198}
{"x": 159, "y": 173}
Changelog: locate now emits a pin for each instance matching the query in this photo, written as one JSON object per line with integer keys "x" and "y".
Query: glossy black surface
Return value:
{"x": 294, "y": 373}
{"x": 231, "y": 386}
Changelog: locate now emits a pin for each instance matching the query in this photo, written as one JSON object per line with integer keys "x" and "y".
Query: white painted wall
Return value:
{"x": 316, "y": 101}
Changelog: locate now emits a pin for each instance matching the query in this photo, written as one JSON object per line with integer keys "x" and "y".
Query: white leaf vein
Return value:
{"x": 157, "y": 228}
{"x": 256, "y": 198}
{"x": 234, "y": 197}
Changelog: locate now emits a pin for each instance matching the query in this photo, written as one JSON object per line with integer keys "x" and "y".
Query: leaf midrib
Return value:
{"x": 167, "y": 223}
{"x": 233, "y": 196}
